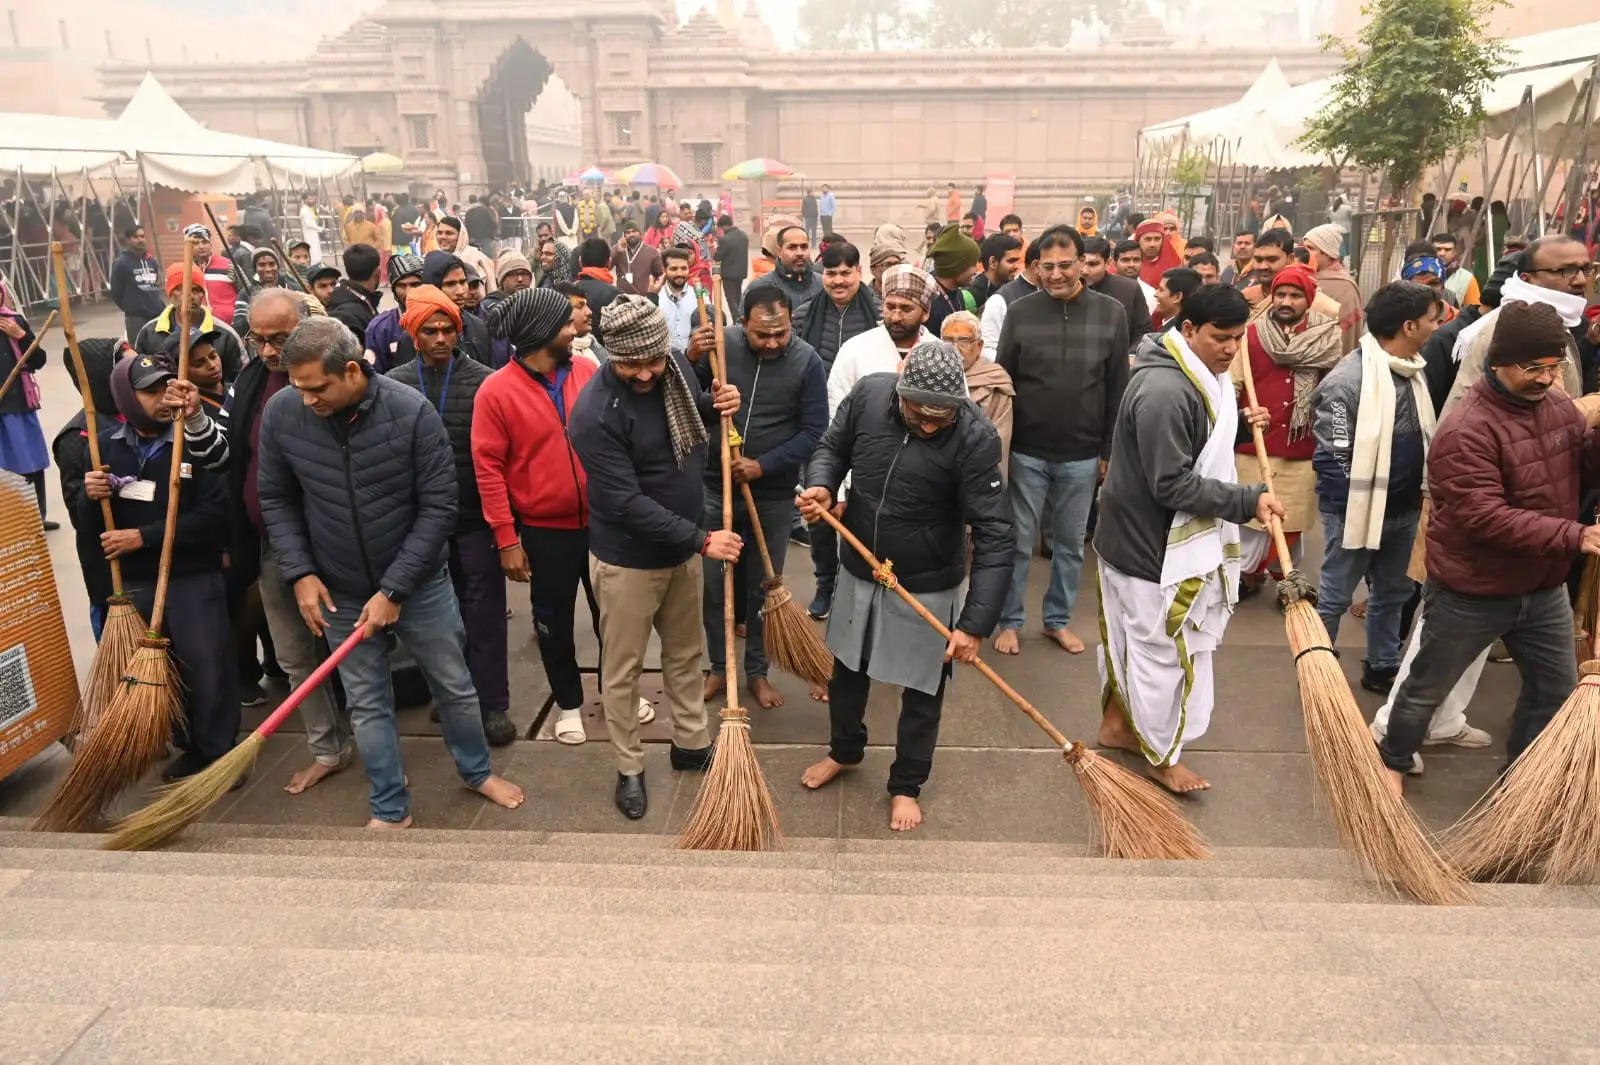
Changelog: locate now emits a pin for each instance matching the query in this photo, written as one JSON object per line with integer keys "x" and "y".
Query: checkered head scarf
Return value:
{"x": 906, "y": 280}
{"x": 933, "y": 375}
{"x": 636, "y": 331}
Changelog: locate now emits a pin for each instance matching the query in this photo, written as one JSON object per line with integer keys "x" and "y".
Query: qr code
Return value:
{"x": 17, "y": 697}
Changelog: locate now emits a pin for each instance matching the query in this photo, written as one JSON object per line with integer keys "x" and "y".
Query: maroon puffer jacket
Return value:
{"x": 1504, "y": 479}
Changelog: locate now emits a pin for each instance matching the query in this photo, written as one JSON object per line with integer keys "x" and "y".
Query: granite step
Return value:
{"x": 85, "y": 1034}
{"x": 904, "y": 999}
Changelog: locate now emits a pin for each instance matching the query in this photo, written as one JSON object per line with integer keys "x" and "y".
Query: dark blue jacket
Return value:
{"x": 201, "y": 532}
{"x": 1334, "y": 408}
{"x": 365, "y": 499}
{"x": 644, "y": 511}
{"x": 783, "y": 412}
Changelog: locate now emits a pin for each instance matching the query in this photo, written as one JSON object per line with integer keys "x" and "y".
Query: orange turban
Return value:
{"x": 421, "y": 302}
{"x": 175, "y": 277}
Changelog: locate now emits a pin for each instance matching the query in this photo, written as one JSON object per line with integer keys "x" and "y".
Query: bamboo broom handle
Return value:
{"x": 1274, "y": 525}
{"x": 719, "y": 371}
{"x": 22, "y": 360}
{"x": 910, "y": 600}
{"x": 64, "y": 302}
{"x": 749, "y": 498}
{"x": 317, "y": 676}
{"x": 175, "y": 473}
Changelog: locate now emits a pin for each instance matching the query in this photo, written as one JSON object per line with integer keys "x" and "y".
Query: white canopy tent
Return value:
{"x": 39, "y": 145}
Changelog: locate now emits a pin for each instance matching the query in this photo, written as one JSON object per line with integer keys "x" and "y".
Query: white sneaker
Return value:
{"x": 647, "y": 712}
{"x": 1467, "y": 737}
{"x": 1416, "y": 766}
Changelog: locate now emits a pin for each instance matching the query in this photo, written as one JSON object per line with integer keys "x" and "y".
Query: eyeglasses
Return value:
{"x": 1569, "y": 272}
{"x": 1544, "y": 369}
{"x": 964, "y": 342}
{"x": 258, "y": 343}
{"x": 1057, "y": 268}
{"x": 915, "y": 412}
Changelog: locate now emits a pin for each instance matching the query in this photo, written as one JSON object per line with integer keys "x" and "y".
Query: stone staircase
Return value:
{"x": 298, "y": 945}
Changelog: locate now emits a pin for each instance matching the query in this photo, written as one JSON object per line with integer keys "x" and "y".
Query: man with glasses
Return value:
{"x": 1505, "y": 476}
{"x": 1554, "y": 271}
{"x": 925, "y": 465}
{"x": 1066, "y": 350}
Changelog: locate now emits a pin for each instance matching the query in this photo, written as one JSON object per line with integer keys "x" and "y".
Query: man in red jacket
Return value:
{"x": 1504, "y": 476}
{"x": 533, "y": 486}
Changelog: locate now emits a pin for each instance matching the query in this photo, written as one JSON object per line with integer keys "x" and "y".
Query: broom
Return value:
{"x": 22, "y": 360}
{"x": 1372, "y": 821}
{"x": 1539, "y": 821}
{"x": 1135, "y": 819}
{"x": 138, "y": 722}
{"x": 791, "y": 640}
{"x": 734, "y": 809}
{"x": 180, "y": 805}
{"x": 119, "y": 635}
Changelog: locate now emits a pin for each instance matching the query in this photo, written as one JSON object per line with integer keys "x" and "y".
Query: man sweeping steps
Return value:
{"x": 1168, "y": 537}
{"x": 924, "y": 465}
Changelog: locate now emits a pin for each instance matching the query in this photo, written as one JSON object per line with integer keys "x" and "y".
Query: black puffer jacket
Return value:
{"x": 365, "y": 499}
{"x": 911, "y": 498}
{"x": 464, "y": 378}
{"x": 353, "y": 306}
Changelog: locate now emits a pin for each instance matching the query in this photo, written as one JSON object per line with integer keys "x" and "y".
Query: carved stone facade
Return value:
{"x": 444, "y": 84}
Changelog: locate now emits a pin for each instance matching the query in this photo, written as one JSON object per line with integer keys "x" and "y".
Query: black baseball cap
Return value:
{"x": 321, "y": 272}
{"x": 150, "y": 371}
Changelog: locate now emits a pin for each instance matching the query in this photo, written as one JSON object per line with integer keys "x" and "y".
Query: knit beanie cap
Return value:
{"x": 634, "y": 328}
{"x": 509, "y": 262}
{"x": 933, "y": 375}
{"x": 404, "y": 265}
{"x": 1524, "y": 332}
{"x": 953, "y": 252}
{"x": 1326, "y": 238}
{"x": 531, "y": 318}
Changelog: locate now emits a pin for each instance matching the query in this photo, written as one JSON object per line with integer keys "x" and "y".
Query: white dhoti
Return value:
{"x": 314, "y": 241}
{"x": 1162, "y": 681}
{"x": 1451, "y": 717}
{"x": 1157, "y": 639}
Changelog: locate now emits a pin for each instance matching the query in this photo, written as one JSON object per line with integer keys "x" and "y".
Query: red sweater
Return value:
{"x": 527, "y": 471}
{"x": 1275, "y": 391}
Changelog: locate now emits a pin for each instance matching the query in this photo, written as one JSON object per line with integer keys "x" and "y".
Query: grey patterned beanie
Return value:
{"x": 933, "y": 375}
{"x": 404, "y": 264}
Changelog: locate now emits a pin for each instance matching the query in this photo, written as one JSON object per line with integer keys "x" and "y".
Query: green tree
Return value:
{"x": 1411, "y": 87}
{"x": 852, "y": 25}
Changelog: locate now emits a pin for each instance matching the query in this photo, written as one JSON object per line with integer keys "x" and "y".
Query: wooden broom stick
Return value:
{"x": 22, "y": 360}
{"x": 175, "y": 473}
{"x": 90, "y": 429}
{"x": 719, "y": 370}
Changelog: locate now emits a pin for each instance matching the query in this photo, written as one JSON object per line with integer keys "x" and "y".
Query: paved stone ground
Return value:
{"x": 995, "y": 776}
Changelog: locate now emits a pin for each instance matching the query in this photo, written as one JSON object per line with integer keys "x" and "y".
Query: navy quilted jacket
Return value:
{"x": 365, "y": 499}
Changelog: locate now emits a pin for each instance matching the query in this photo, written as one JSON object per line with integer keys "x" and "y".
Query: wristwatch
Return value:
{"x": 392, "y": 595}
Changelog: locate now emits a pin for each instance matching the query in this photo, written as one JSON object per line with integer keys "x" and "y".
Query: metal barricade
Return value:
{"x": 1377, "y": 250}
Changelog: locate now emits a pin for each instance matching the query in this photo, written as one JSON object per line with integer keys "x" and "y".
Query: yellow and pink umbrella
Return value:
{"x": 756, "y": 169}
{"x": 657, "y": 174}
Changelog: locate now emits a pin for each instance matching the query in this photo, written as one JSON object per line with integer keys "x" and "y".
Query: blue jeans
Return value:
{"x": 1385, "y": 573}
{"x": 1067, "y": 490}
{"x": 430, "y": 627}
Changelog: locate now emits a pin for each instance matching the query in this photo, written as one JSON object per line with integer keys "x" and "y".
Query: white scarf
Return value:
{"x": 1205, "y": 547}
{"x": 1568, "y": 305}
{"x": 1369, "y": 461}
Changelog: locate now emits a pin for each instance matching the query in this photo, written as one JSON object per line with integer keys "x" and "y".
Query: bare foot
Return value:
{"x": 1358, "y": 610}
{"x": 378, "y": 823}
{"x": 769, "y": 697}
{"x": 739, "y": 630}
{"x": 1068, "y": 641}
{"x": 905, "y": 813}
{"x": 1396, "y": 782}
{"x": 716, "y": 684}
{"x": 1005, "y": 641}
{"x": 309, "y": 777}
{"x": 1115, "y": 730}
{"x": 1179, "y": 779}
{"x": 819, "y": 692}
{"x": 821, "y": 772}
{"x": 501, "y": 792}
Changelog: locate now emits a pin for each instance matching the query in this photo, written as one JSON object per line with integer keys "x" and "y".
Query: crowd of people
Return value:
{"x": 542, "y": 410}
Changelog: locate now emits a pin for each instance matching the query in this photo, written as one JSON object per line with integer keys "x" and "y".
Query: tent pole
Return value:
{"x": 1536, "y": 169}
{"x": 1491, "y": 182}
{"x": 1580, "y": 162}
{"x": 18, "y": 255}
{"x": 1560, "y": 146}
{"x": 150, "y": 217}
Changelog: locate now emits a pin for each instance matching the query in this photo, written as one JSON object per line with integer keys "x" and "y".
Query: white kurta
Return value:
{"x": 311, "y": 232}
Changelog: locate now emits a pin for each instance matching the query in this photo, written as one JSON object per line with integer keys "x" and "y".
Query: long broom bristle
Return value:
{"x": 131, "y": 736}
{"x": 119, "y": 638}
{"x": 734, "y": 810}
{"x": 1588, "y": 600}
{"x": 1136, "y": 820}
{"x": 793, "y": 642}
{"x": 179, "y": 805}
{"x": 1542, "y": 820}
{"x": 1373, "y": 822}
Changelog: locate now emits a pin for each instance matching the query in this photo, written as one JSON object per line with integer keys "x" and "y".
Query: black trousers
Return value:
{"x": 249, "y": 621}
{"x": 916, "y": 735}
{"x": 558, "y": 560}
{"x": 197, "y": 623}
{"x": 731, "y": 294}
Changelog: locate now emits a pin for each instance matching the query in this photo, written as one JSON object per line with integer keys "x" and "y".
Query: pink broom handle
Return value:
{"x": 318, "y": 675}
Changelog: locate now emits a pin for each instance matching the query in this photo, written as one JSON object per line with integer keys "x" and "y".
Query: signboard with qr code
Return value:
{"x": 38, "y": 682}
